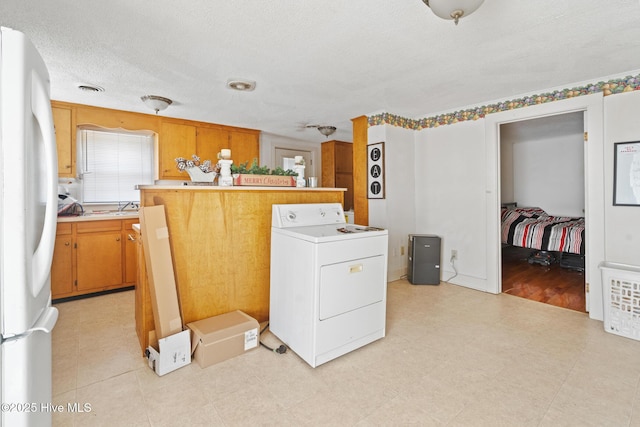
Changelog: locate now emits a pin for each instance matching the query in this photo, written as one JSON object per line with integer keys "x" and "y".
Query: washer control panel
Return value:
{"x": 307, "y": 214}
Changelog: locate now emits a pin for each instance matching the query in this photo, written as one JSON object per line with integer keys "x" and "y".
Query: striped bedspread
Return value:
{"x": 534, "y": 228}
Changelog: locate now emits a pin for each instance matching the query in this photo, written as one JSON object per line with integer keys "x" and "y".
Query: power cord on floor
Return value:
{"x": 452, "y": 261}
{"x": 280, "y": 350}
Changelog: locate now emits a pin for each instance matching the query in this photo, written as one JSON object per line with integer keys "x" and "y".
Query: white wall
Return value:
{"x": 450, "y": 197}
{"x": 396, "y": 211}
{"x": 622, "y": 223}
{"x": 457, "y": 193}
{"x": 542, "y": 163}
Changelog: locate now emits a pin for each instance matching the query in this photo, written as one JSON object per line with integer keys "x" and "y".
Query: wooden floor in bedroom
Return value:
{"x": 552, "y": 284}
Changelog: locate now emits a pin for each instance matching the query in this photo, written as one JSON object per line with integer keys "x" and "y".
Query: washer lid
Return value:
{"x": 331, "y": 232}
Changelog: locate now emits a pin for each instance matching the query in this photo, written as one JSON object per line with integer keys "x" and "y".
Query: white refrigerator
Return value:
{"x": 28, "y": 212}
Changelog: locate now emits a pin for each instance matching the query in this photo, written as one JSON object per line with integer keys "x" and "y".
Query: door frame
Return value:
{"x": 593, "y": 107}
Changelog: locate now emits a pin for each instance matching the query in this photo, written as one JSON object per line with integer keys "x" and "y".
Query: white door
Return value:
{"x": 285, "y": 159}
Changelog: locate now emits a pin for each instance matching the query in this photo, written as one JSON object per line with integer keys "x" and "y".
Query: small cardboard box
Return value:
{"x": 174, "y": 353}
{"x": 222, "y": 337}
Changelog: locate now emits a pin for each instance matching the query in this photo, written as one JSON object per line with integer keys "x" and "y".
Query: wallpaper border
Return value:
{"x": 610, "y": 87}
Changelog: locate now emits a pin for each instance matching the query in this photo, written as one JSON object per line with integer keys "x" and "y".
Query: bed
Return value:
{"x": 535, "y": 229}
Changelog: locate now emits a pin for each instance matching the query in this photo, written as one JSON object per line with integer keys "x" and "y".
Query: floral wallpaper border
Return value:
{"x": 611, "y": 87}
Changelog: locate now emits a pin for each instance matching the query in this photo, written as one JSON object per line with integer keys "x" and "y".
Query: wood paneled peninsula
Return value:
{"x": 220, "y": 241}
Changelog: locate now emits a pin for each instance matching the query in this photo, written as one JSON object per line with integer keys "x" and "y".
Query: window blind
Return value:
{"x": 113, "y": 163}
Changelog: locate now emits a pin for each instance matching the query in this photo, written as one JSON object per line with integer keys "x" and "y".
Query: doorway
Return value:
{"x": 542, "y": 167}
{"x": 593, "y": 108}
{"x": 285, "y": 158}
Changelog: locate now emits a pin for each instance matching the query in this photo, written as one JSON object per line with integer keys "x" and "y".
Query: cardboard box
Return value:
{"x": 222, "y": 337}
{"x": 174, "y": 352}
{"x": 162, "y": 283}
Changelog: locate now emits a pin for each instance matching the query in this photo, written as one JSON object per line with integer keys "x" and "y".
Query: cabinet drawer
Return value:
{"x": 63, "y": 228}
{"x": 93, "y": 226}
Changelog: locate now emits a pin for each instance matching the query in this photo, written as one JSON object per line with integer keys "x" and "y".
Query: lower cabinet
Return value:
{"x": 63, "y": 262}
{"x": 93, "y": 256}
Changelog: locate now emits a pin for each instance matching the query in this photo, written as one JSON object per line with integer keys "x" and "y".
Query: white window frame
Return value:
{"x": 110, "y": 176}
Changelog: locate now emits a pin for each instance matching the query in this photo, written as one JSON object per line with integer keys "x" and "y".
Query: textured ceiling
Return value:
{"x": 321, "y": 62}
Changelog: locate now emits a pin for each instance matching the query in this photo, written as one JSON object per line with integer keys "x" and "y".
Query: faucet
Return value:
{"x": 122, "y": 207}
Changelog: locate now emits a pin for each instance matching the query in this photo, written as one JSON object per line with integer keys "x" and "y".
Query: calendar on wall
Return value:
{"x": 375, "y": 171}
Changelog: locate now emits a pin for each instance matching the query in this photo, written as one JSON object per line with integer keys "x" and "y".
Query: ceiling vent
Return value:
{"x": 90, "y": 88}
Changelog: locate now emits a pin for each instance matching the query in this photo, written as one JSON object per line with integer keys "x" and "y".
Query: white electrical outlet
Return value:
{"x": 454, "y": 254}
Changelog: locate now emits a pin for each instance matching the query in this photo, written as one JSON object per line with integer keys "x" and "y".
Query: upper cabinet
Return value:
{"x": 176, "y": 137}
{"x": 337, "y": 168}
{"x": 176, "y": 140}
{"x": 244, "y": 147}
{"x": 64, "y": 141}
{"x": 205, "y": 141}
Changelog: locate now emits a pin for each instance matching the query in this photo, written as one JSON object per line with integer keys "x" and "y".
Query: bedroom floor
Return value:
{"x": 548, "y": 284}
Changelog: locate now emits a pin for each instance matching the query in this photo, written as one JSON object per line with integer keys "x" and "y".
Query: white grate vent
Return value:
{"x": 621, "y": 287}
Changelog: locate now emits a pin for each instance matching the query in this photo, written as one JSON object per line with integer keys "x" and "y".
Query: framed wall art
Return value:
{"x": 375, "y": 171}
{"x": 626, "y": 174}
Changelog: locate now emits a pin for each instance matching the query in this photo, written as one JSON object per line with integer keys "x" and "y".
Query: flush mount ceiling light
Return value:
{"x": 90, "y": 88}
{"x": 453, "y": 9}
{"x": 156, "y": 103}
{"x": 241, "y": 85}
{"x": 326, "y": 130}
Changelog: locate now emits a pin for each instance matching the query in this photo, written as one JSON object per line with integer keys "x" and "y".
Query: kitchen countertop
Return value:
{"x": 99, "y": 216}
{"x": 234, "y": 188}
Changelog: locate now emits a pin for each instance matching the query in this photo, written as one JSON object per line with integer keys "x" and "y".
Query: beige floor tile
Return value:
{"x": 452, "y": 357}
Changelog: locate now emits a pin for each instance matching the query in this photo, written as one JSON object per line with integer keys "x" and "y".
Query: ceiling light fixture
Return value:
{"x": 156, "y": 103}
{"x": 326, "y": 130}
{"x": 241, "y": 85}
{"x": 448, "y": 9}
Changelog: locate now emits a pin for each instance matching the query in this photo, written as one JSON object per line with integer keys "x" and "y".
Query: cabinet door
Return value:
{"x": 99, "y": 260}
{"x": 344, "y": 180}
{"x": 176, "y": 140}
{"x": 344, "y": 157}
{"x": 62, "y": 267}
{"x": 130, "y": 255}
{"x": 209, "y": 142}
{"x": 62, "y": 125}
{"x": 328, "y": 164}
{"x": 244, "y": 147}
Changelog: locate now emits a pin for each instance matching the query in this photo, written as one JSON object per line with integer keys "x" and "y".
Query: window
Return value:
{"x": 112, "y": 163}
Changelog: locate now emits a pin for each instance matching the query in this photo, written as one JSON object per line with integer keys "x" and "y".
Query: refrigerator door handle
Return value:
{"x": 41, "y": 107}
{"x": 45, "y": 323}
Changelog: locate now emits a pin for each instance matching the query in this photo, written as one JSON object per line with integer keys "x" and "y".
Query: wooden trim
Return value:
{"x": 360, "y": 140}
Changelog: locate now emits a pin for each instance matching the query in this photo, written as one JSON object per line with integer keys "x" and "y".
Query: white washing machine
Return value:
{"x": 328, "y": 281}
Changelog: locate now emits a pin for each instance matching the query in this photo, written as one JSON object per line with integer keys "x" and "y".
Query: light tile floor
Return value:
{"x": 452, "y": 356}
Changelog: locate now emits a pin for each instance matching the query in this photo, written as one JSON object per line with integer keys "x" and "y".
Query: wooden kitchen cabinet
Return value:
{"x": 337, "y": 168}
{"x": 130, "y": 252}
{"x": 93, "y": 256}
{"x": 176, "y": 140}
{"x": 209, "y": 142}
{"x": 62, "y": 265}
{"x": 64, "y": 141}
{"x": 244, "y": 147}
{"x": 98, "y": 255}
